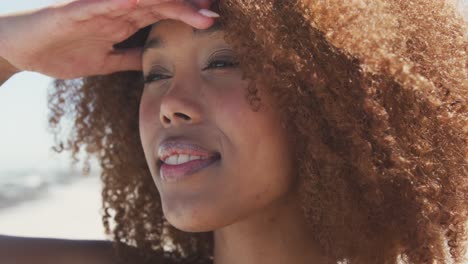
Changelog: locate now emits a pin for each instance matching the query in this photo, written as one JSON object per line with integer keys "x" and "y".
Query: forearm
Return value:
{"x": 6, "y": 70}
{"x": 54, "y": 251}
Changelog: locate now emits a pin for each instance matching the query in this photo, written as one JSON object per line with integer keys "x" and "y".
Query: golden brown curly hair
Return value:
{"x": 374, "y": 94}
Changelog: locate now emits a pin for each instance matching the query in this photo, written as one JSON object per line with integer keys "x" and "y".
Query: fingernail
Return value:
{"x": 208, "y": 13}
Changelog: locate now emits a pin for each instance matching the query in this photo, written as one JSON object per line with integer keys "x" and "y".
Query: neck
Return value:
{"x": 278, "y": 234}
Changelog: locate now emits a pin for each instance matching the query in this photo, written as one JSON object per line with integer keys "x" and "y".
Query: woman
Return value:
{"x": 320, "y": 132}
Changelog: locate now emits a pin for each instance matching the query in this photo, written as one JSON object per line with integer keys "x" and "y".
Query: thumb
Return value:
{"x": 123, "y": 60}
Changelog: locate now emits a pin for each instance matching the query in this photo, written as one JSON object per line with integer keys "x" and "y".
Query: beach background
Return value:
{"x": 41, "y": 194}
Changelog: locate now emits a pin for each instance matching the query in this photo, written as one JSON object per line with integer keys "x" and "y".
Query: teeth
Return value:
{"x": 196, "y": 158}
{"x": 172, "y": 160}
{"x": 182, "y": 158}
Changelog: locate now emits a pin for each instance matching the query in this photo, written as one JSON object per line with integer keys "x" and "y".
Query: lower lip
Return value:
{"x": 174, "y": 173}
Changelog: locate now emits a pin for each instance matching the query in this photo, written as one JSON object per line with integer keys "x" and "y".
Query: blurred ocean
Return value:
{"x": 19, "y": 186}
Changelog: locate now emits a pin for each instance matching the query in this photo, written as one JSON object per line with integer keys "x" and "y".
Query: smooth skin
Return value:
{"x": 195, "y": 91}
{"x": 75, "y": 40}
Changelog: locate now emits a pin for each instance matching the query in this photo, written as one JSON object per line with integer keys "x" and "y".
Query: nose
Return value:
{"x": 177, "y": 109}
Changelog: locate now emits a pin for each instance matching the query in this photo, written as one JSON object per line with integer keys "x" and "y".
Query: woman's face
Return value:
{"x": 194, "y": 107}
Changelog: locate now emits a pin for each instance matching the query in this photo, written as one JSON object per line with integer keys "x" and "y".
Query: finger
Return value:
{"x": 141, "y": 5}
{"x": 155, "y": 2}
{"x": 140, "y": 17}
{"x": 87, "y": 9}
{"x": 202, "y": 4}
{"x": 145, "y": 18}
{"x": 123, "y": 60}
{"x": 184, "y": 12}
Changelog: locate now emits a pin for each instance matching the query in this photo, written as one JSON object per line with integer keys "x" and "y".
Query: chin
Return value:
{"x": 189, "y": 219}
{"x": 190, "y": 225}
{"x": 191, "y": 228}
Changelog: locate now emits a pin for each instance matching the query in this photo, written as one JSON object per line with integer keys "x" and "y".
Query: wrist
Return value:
{"x": 6, "y": 68}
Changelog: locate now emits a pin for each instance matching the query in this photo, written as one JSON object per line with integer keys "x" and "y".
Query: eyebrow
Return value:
{"x": 154, "y": 43}
{"x": 157, "y": 42}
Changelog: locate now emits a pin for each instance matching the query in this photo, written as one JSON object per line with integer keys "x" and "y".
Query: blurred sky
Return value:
{"x": 24, "y": 141}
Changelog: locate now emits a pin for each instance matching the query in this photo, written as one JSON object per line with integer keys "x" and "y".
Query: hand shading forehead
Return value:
{"x": 157, "y": 41}
{"x": 139, "y": 39}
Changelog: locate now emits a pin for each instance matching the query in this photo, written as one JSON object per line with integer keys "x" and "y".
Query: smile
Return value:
{"x": 178, "y": 167}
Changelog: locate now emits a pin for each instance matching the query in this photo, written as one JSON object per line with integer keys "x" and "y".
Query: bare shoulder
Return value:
{"x": 20, "y": 250}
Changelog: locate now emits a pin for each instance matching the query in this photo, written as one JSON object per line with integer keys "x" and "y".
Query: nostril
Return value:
{"x": 184, "y": 116}
{"x": 175, "y": 118}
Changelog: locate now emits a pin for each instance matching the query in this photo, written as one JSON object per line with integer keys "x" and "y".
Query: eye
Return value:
{"x": 156, "y": 73}
{"x": 222, "y": 63}
{"x": 222, "y": 59}
{"x": 154, "y": 77}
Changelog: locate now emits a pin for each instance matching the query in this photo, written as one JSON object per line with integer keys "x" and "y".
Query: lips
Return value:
{"x": 180, "y": 158}
{"x": 173, "y": 147}
{"x": 176, "y": 173}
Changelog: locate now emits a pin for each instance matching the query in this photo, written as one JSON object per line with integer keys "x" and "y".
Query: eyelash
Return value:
{"x": 151, "y": 77}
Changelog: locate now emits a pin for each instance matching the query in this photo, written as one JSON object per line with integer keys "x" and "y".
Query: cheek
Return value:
{"x": 147, "y": 109}
{"x": 148, "y": 119}
{"x": 259, "y": 157}
{"x": 258, "y": 135}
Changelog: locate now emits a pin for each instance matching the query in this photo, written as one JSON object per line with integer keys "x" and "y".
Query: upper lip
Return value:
{"x": 177, "y": 146}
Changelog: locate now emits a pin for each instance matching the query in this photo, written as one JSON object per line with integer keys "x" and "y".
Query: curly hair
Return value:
{"x": 374, "y": 95}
